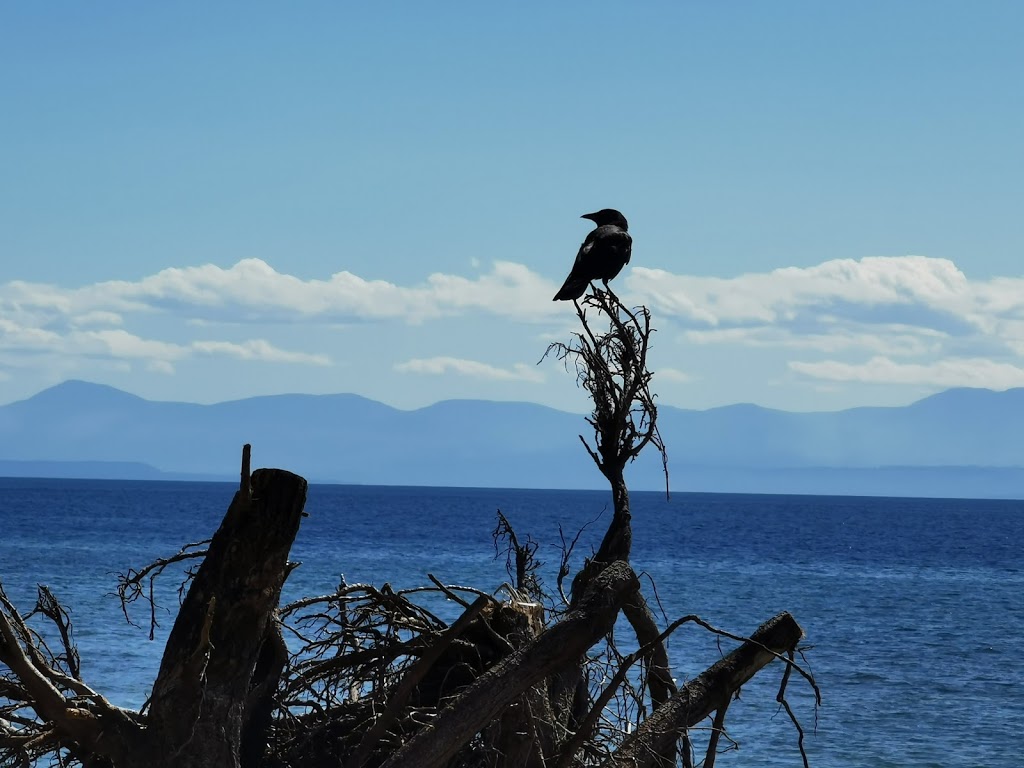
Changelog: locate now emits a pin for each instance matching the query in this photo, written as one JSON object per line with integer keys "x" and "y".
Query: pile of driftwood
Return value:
{"x": 368, "y": 676}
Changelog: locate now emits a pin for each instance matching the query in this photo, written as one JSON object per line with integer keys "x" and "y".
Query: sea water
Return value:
{"x": 914, "y": 608}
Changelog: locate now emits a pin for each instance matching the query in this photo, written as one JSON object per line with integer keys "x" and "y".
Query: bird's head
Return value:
{"x": 607, "y": 216}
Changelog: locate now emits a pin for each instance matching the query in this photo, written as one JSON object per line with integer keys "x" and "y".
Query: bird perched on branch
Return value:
{"x": 602, "y": 256}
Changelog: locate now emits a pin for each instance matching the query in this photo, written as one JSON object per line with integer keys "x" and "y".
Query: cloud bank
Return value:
{"x": 90, "y": 320}
{"x": 438, "y": 366}
{"x": 957, "y": 372}
{"x": 909, "y": 320}
{"x": 893, "y": 320}
{"x": 253, "y": 290}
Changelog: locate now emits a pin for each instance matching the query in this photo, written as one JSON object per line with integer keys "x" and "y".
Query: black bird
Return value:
{"x": 602, "y": 256}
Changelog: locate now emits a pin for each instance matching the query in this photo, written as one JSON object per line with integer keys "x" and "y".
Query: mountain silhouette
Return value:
{"x": 962, "y": 442}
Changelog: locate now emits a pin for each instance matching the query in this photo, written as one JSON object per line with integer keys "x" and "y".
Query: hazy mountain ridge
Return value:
{"x": 959, "y": 442}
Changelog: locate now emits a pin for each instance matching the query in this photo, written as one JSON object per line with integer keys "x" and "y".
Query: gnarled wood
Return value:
{"x": 202, "y": 690}
{"x": 706, "y": 693}
{"x": 504, "y": 683}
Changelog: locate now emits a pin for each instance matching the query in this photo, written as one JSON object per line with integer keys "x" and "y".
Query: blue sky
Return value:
{"x": 210, "y": 201}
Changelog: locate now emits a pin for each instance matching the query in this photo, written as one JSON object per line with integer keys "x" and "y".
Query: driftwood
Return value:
{"x": 368, "y": 677}
{"x": 501, "y": 685}
{"x": 211, "y": 701}
{"x": 708, "y": 692}
{"x": 225, "y": 653}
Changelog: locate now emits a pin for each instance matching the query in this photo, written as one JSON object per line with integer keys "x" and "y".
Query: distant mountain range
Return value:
{"x": 963, "y": 442}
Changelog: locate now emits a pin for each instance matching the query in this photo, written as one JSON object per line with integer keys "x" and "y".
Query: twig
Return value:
{"x": 717, "y": 728}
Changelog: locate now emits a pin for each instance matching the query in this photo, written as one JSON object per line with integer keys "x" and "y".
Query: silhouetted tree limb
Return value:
{"x": 592, "y": 618}
{"x": 53, "y": 711}
{"x": 133, "y": 585}
{"x": 197, "y": 708}
{"x": 717, "y": 729}
{"x": 520, "y": 558}
{"x": 411, "y": 680}
{"x": 612, "y": 366}
{"x": 706, "y": 693}
{"x": 219, "y": 669}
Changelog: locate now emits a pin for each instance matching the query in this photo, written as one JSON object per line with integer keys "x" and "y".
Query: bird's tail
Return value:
{"x": 573, "y": 288}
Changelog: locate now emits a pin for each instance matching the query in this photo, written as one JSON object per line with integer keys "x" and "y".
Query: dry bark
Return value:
{"x": 212, "y": 700}
{"x": 504, "y": 683}
{"x": 224, "y": 627}
{"x": 706, "y": 693}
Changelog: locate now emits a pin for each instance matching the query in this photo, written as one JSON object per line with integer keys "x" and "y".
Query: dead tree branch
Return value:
{"x": 507, "y": 680}
{"x": 61, "y": 712}
{"x": 133, "y": 584}
{"x": 706, "y": 693}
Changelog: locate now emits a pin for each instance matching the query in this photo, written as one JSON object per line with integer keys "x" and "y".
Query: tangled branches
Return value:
{"x": 137, "y": 584}
{"x": 46, "y": 710}
{"x": 366, "y": 676}
{"x": 612, "y": 367}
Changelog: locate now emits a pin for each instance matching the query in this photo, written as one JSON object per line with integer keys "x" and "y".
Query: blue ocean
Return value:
{"x": 914, "y": 609}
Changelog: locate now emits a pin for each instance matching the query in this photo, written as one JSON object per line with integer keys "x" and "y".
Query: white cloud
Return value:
{"x": 107, "y": 319}
{"x": 672, "y": 374}
{"x": 905, "y": 306}
{"x": 920, "y": 320}
{"x": 16, "y": 336}
{"x": 253, "y": 290}
{"x": 437, "y": 366}
{"x": 71, "y": 342}
{"x": 941, "y": 374}
{"x": 884, "y": 292}
{"x": 98, "y": 317}
{"x": 160, "y": 366}
{"x": 121, "y": 344}
{"x": 884, "y": 339}
{"x": 779, "y": 295}
{"x": 258, "y": 349}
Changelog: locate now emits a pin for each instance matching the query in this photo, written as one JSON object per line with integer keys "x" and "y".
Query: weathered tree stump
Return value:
{"x": 201, "y": 699}
{"x": 211, "y": 702}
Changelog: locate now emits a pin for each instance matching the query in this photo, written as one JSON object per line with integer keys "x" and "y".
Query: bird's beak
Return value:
{"x": 589, "y": 216}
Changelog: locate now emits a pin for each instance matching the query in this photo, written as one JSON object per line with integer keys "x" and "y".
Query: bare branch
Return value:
{"x": 135, "y": 584}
